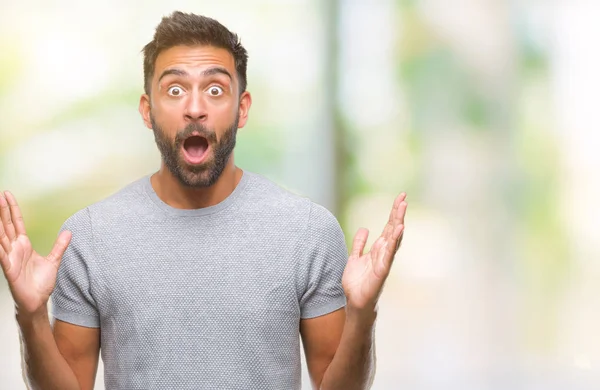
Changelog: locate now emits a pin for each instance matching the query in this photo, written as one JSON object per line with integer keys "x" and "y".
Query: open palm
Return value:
{"x": 31, "y": 277}
{"x": 366, "y": 273}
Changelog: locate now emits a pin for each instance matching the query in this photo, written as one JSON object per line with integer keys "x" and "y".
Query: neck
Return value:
{"x": 172, "y": 192}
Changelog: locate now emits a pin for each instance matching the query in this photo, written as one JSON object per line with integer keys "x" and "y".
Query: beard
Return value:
{"x": 208, "y": 172}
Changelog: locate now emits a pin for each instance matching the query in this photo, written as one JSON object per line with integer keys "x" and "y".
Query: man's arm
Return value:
{"x": 340, "y": 350}
{"x": 62, "y": 360}
{"x": 352, "y": 355}
{"x": 80, "y": 346}
{"x": 65, "y": 358}
{"x": 321, "y": 338}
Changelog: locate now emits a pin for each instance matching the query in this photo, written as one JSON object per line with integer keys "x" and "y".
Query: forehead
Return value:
{"x": 194, "y": 59}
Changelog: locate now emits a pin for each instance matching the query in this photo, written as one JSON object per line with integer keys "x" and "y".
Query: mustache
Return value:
{"x": 192, "y": 128}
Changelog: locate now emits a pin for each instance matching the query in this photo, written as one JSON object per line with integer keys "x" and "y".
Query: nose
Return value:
{"x": 195, "y": 109}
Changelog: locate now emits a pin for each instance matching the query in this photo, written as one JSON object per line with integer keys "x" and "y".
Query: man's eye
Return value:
{"x": 215, "y": 91}
{"x": 175, "y": 91}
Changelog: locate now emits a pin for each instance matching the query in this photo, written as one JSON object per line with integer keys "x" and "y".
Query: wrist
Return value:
{"x": 361, "y": 317}
{"x": 39, "y": 316}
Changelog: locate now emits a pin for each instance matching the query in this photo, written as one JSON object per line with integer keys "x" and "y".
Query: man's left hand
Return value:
{"x": 366, "y": 273}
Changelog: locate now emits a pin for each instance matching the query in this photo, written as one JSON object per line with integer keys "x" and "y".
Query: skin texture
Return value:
{"x": 195, "y": 92}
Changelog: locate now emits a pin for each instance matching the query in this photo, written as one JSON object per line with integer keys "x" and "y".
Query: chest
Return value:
{"x": 185, "y": 274}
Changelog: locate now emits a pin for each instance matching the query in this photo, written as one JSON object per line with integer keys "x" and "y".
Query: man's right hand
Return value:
{"x": 31, "y": 277}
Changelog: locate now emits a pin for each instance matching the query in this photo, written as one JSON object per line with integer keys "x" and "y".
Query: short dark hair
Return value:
{"x": 189, "y": 29}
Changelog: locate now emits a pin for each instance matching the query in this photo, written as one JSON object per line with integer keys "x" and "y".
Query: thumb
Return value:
{"x": 60, "y": 246}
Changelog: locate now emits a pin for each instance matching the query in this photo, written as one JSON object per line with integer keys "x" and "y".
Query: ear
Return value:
{"x": 145, "y": 110}
{"x": 244, "y": 108}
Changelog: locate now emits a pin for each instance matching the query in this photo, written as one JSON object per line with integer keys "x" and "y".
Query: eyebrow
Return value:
{"x": 205, "y": 73}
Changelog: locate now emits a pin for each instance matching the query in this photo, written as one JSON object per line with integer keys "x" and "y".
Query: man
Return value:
{"x": 200, "y": 276}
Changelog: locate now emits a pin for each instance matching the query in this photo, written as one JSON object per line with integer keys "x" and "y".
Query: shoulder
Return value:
{"x": 265, "y": 196}
{"x": 123, "y": 200}
{"x": 127, "y": 198}
{"x": 269, "y": 201}
{"x": 322, "y": 220}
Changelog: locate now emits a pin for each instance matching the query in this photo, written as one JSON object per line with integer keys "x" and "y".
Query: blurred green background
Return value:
{"x": 483, "y": 111}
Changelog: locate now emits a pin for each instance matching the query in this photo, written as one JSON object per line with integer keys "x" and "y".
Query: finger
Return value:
{"x": 386, "y": 259}
{"x": 392, "y": 234}
{"x": 397, "y": 201}
{"x": 397, "y": 237}
{"x": 400, "y": 199}
{"x": 387, "y": 230}
{"x": 401, "y": 212}
{"x": 4, "y": 241}
{"x": 398, "y": 221}
{"x": 385, "y": 256}
{"x": 393, "y": 218}
{"x": 60, "y": 246}
{"x": 9, "y": 228}
{"x": 359, "y": 242}
{"x": 15, "y": 211}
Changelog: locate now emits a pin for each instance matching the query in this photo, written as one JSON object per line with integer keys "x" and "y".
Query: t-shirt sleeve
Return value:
{"x": 72, "y": 299}
{"x": 323, "y": 267}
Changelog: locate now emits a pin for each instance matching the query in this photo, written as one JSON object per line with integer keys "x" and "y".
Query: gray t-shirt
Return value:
{"x": 208, "y": 298}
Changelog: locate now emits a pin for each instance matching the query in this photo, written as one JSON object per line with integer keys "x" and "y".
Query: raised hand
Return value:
{"x": 31, "y": 277}
{"x": 365, "y": 274}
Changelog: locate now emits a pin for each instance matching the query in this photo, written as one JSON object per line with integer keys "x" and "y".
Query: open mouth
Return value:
{"x": 195, "y": 149}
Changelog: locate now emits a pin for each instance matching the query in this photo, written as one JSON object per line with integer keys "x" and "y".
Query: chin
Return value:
{"x": 203, "y": 179}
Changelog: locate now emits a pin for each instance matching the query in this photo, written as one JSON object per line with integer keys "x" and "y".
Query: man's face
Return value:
{"x": 195, "y": 110}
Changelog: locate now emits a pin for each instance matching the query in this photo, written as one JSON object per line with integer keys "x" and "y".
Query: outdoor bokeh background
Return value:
{"x": 485, "y": 111}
